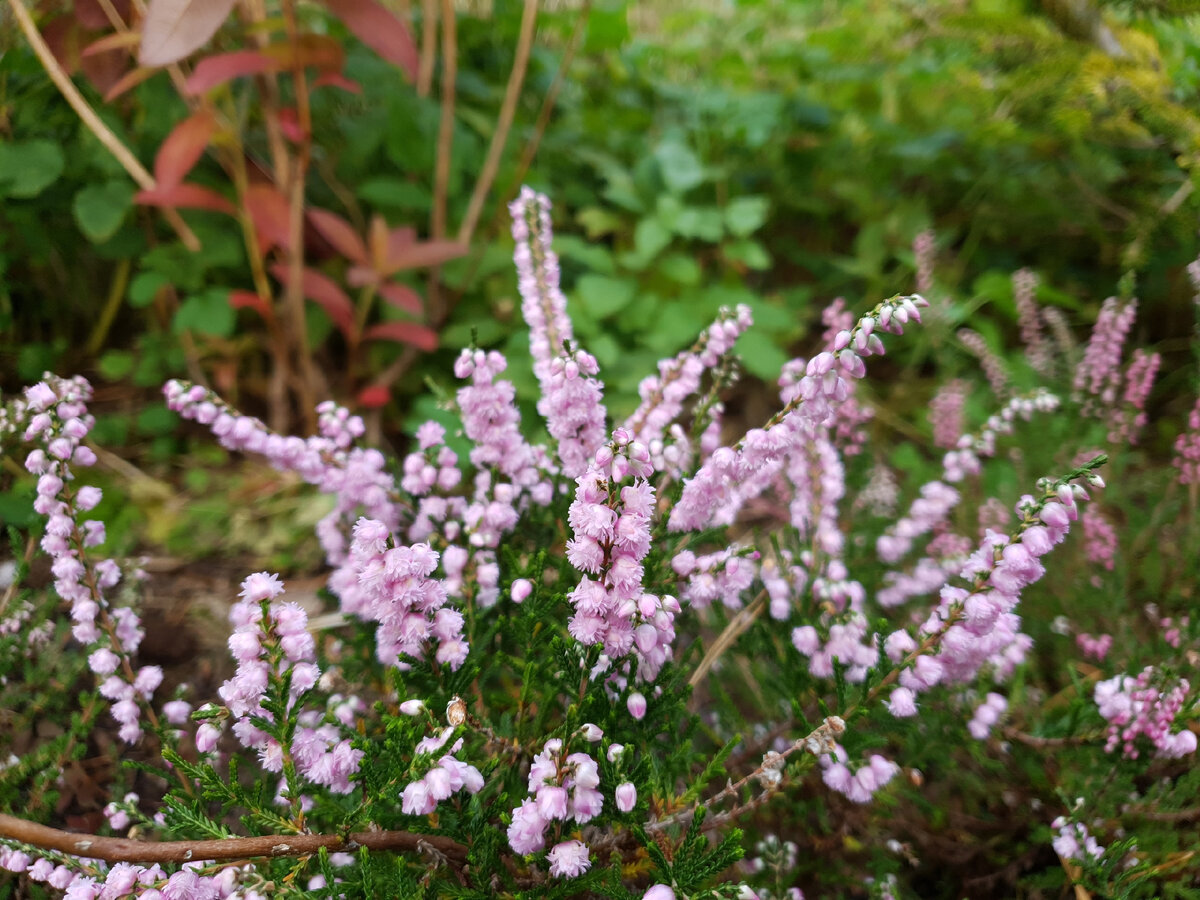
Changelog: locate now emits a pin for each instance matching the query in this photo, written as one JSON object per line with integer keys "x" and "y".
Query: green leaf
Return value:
{"x": 598, "y": 222}
{"x": 100, "y": 209}
{"x": 28, "y": 168}
{"x": 602, "y": 296}
{"x": 760, "y": 356}
{"x": 607, "y": 27}
{"x": 703, "y": 223}
{"x": 157, "y": 420}
{"x": 394, "y": 193}
{"x": 745, "y": 215}
{"x": 115, "y": 364}
{"x": 144, "y": 287}
{"x": 681, "y": 169}
{"x": 649, "y": 237}
{"x": 206, "y": 313}
{"x": 751, "y": 254}
{"x": 680, "y": 268}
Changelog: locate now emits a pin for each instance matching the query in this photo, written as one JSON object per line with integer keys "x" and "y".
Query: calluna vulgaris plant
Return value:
{"x": 502, "y": 707}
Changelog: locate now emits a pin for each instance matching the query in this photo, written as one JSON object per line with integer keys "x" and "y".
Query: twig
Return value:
{"x": 508, "y": 108}
{"x": 112, "y": 849}
{"x": 93, "y": 123}
{"x": 445, "y": 143}
{"x": 551, "y": 98}
{"x": 428, "y": 51}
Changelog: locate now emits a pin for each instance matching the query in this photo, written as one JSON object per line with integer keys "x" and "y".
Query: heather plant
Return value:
{"x": 611, "y": 662}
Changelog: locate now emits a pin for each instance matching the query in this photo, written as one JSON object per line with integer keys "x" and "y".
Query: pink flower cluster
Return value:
{"x": 926, "y": 512}
{"x": 492, "y": 422}
{"x": 129, "y": 880}
{"x": 571, "y": 395}
{"x": 987, "y": 714}
{"x": 564, "y": 788}
{"x": 270, "y": 640}
{"x": 393, "y": 586}
{"x": 1095, "y": 646}
{"x": 448, "y": 776}
{"x": 964, "y": 460}
{"x": 724, "y": 575}
{"x": 663, "y": 395}
{"x": 55, "y": 416}
{"x": 715, "y": 494}
{"x": 1037, "y": 350}
{"x": 1073, "y": 841}
{"x": 1099, "y": 372}
{"x": 946, "y": 413}
{"x": 993, "y": 366}
{"x": 856, "y": 786}
{"x": 356, "y": 477}
{"x": 610, "y": 524}
{"x": 1100, "y": 540}
{"x": 1187, "y": 449}
{"x": 1145, "y": 706}
{"x": 1128, "y": 419}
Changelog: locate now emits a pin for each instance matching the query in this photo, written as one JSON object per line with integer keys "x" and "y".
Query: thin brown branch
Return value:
{"x": 295, "y": 185}
{"x": 428, "y": 48}
{"x": 508, "y": 109}
{"x": 551, "y": 98}
{"x": 93, "y": 123}
{"x": 112, "y": 849}
{"x": 445, "y": 142}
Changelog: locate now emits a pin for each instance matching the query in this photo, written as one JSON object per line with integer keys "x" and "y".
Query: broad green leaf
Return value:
{"x": 681, "y": 169}
{"x": 751, "y": 254}
{"x": 29, "y": 167}
{"x": 602, "y": 296}
{"x": 680, "y": 268}
{"x": 144, "y": 287}
{"x": 100, "y": 209}
{"x": 206, "y": 313}
{"x": 650, "y": 237}
{"x": 703, "y": 223}
{"x": 598, "y": 222}
{"x": 607, "y": 27}
{"x": 745, "y": 215}
{"x": 760, "y": 356}
{"x": 115, "y": 364}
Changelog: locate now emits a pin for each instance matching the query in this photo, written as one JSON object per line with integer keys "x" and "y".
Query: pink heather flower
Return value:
{"x": 659, "y": 892}
{"x": 1187, "y": 449}
{"x": 993, "y": 367}
{"x": 207, "y": 736}
{"x": 678, "y": 379}
{"x": 260, "y": 586}
{"x": 636, "y": 704}
{"x": 626, "y": 796}
{"x": 1098, "y": 375}
{"x": 569, "y": 859}
{"x": 543, "y": 304}
{"x": 1037, "y": 350}
{"x": 521, "y": 589}
{"x": 1100, "y": 539}
{"x": 527, "y": 833}
{"x": 176, "y": 712}
{"x": 946, "y": 413}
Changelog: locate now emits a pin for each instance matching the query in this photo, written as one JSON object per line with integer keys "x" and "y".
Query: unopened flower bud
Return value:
{"x": 456, "y": 711}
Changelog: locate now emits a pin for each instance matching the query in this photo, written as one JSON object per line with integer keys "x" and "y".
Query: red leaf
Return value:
{"x": 90, "y": 14}
{"x": 338, "y": 232}
{"x": 420, "y": 336}
{"x": 289, "y": 124}
{"x": 183, "y": 148}
{"x": 374, "y": 396}
{"x": 131, "y": 79}
{"x": 415, "y": 256}
{"x": 216, "y": 70}
{"x": 380, "y": 30}
{"x": 250, "y": 300}
{"x": 104, "y": 70}
{"x": 118, "y": 40}
{"x": 174, "y": 28}
{"x": 268, "y": 210}
{"x": 401, "y": 296}
{"x": 361, "y": 276}
{"x": 336, "y": 79}
{"x": 190, "y": 196}
{"x": 324, "y": 291}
